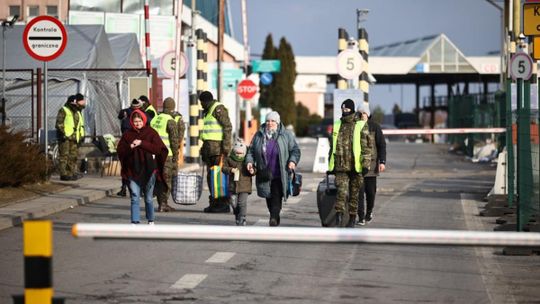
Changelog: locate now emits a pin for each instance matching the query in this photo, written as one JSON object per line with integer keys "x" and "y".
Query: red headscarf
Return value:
{"x": 141, "y": 114}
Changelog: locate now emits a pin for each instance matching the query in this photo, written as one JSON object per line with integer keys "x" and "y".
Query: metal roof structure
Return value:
{"x": 427, "y": 60}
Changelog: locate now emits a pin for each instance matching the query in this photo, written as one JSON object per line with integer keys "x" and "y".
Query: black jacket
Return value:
{"x": 378, "y": 154}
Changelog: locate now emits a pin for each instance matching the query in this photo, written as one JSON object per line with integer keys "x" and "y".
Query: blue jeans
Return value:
{"x": 136, "y": 198}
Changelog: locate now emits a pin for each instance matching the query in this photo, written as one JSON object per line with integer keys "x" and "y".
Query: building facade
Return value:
{"x": 28, "y": 9}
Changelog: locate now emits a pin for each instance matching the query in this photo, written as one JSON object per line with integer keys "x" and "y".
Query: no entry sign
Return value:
{"x": 44, "y": 38}
{"x": 247, "y": 89}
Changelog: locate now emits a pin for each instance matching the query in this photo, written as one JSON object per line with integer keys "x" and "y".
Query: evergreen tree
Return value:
{"x": 378, "y": 114}
{"x": 396, "y": 109}
{"x": 283, "y": 98}
{"x": 265, "y": 91}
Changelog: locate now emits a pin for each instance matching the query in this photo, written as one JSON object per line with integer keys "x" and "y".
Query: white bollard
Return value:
{"x": 320, "y": 164}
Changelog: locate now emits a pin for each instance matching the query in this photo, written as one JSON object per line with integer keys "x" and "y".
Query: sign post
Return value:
{"x": 44, "y": 39}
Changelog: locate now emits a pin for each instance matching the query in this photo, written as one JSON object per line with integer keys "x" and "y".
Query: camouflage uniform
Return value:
{"x": 348, "y": 181}
{"x": 181, "y": 132}
{"x": 212, "y": 148}
{"x": 170, "y": 168}
{"x": 68, "y": 148}
{"x": 212, "y": 151}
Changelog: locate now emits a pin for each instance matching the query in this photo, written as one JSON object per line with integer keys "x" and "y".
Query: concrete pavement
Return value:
{"x": 85, "y": 190}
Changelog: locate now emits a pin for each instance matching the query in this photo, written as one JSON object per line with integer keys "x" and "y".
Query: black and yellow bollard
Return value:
{"x": 38, "y": 288}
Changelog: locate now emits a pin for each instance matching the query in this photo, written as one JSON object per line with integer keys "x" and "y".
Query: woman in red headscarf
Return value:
{"x": 142, "y": 154}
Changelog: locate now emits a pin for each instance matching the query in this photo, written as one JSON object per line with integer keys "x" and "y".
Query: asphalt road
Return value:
{"x": 424, "y": 188}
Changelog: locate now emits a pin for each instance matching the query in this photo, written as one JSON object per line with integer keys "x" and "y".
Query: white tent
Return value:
{"x": 87, "y": 54}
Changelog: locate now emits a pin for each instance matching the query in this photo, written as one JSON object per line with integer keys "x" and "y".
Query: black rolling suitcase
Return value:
{"x": 326, "y": 202}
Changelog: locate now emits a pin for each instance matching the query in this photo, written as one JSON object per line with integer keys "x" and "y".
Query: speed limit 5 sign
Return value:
{"x": 349, "y": 64}
{"x": 521, "y": 66}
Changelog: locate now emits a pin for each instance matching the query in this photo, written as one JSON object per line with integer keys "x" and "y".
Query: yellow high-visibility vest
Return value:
{"x": 159, "y": 123}
{"x": 151, "y": 109}
{"x": 69, "y": 124}
{"x": 357, "y": 148}
{"x": 211, "y": 130}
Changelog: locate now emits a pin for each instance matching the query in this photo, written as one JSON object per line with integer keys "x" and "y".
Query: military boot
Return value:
{"x": 339, "y": 219}
{"x": 352, "y": 219}
{"x": 164, "y": 207}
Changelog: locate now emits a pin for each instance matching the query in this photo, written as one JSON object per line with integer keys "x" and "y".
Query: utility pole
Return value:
{"x": 221, "y": 34}
{"x": 5, "y": 25}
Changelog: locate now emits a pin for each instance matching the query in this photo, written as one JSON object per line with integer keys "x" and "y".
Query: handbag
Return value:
{"x": 186, "y": 188}
{"x": 219, "y": 181}
{"x": 295, "y": 183}
{"x": 263, "y": 175}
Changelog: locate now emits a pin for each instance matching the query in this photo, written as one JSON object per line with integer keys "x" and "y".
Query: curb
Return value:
{"x": 15, "y": 214}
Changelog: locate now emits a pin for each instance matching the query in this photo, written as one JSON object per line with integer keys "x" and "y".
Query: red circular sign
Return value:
{"x": 247, "y": 89}
{"x": 44, "y": 38}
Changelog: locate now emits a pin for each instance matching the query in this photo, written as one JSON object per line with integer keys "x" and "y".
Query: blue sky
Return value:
{"x": 311, "y": 27}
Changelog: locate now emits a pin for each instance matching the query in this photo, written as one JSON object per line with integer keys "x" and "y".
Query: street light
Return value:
{"x": 5, "y": 25}
{"x": 361, "y": 16}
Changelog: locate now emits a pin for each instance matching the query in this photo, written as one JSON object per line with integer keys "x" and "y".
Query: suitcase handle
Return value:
{"x": 328, "y": 173}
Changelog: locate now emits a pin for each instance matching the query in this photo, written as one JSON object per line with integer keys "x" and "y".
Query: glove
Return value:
{"x": 365, "y": 171}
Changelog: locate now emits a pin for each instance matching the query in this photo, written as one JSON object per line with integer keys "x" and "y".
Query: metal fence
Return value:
{"x": 484, "y": 111}
{"x": 475, "y": 111}
{"x": 20, "y": 99}
{"x": 106, "y": 92}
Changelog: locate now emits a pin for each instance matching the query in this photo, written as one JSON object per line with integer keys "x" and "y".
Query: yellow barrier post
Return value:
{"x": 37, "y": 250}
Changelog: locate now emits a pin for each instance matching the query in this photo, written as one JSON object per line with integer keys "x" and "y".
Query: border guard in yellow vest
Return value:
{"x": 216, "y": 135}
{"x": 350, "y": 158}
{"x": 167, "y": 128}
{"x": 70, "y": 133}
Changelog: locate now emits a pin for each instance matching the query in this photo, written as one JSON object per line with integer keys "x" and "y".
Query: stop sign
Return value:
{"x": 247, "y": 89}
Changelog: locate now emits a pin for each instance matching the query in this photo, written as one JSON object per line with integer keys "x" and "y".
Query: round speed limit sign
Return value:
{"x": 349, "y": 64}
{"x": 521, "y": 66}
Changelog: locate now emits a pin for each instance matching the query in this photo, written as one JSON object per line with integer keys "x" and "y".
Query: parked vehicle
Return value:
{"x": 324, "y": 129}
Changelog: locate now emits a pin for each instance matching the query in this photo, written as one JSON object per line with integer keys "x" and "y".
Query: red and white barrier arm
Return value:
{"x": 442, "y": 131}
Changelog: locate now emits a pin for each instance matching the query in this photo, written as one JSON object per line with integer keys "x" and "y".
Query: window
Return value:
{"x": 15, "y": 10}
{"x": 52, "y": 10}
{"x": 33, "y": 10}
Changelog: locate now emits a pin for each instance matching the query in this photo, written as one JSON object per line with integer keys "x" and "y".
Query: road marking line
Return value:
{"x": 490, "y": 270}
{"x": 189, "y": 281}
{"x": 220, "y": 257}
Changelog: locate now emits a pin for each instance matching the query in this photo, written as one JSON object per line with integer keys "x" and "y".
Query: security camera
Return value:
{"x": 10, "y": 22}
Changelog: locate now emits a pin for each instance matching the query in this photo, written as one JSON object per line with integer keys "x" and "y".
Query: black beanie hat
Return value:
{"x": 79, "y": 97}
{"x": 206, "y": 96}
{"x": 145, "y": 99}
{"x": 349, "y": 104}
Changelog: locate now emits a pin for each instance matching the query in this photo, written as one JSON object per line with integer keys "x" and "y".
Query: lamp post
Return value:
{"x": 361, "y": 16}
{"x": 5, "y": 25}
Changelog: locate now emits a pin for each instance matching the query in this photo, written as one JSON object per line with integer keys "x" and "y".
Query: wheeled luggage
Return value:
{"x": 326, "y": 202}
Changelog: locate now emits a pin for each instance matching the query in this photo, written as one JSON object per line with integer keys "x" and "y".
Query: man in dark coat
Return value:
{"x": 378, "y": 164}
